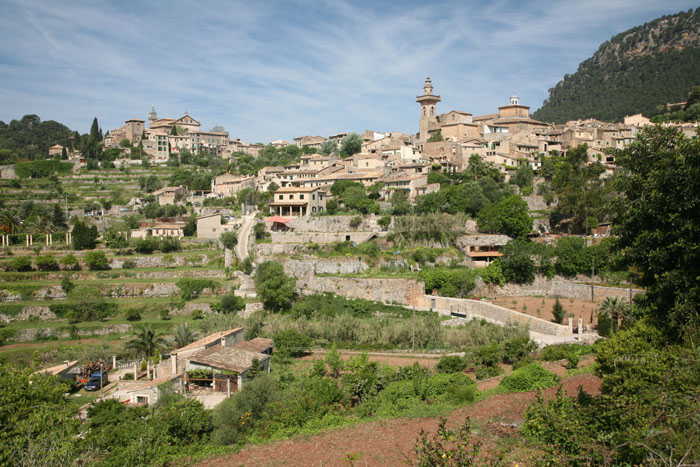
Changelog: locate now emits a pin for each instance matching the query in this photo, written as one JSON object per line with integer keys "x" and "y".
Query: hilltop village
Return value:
{"x": 268, "y": 290}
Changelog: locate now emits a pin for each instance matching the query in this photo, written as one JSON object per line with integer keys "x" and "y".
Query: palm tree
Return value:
{"x": 146, "y": 340}
{"x": 613, "y": 308}
{"x": 184, "y": 335}
{"x": 10, "y": 221}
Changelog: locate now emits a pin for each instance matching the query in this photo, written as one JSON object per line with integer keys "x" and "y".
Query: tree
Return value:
{"x": 10, "y": 221}
{"x": 230, "y": 303}
{"x": 558, "y": 312}
{"x": 399, "y": 203}
{"x": 658, "y": 223}
{"x": 146, "y": 340}
{"x": 184, "y": 335}
{"x": 334, "y": 362}
{"x": 275, "y": 288}
{"x": 83, "y": 236}
{"x": 509, "y": 216}
{"x": 351, "y": 144}
{"x": 255, "y": 369}
{"x": 613, "y": 309}
{"x": 328, "y": 147}
{"x": 229, "y": 240}
{"x": 89, "y": 304}
{"x": 516, "y": 263}
{"x": 58, "y": 218}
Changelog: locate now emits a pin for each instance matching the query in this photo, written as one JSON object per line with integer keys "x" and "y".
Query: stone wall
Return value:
{"x": 29, "y": 313}
{"x": 476, "y": 308}
{"x": 400, "y": 291}
{"x": 266, "y": 250}
{"x": 334, "y": 224}
{"x": 313, "y": 266}
{"x": 556, "y": 287}
{"x": 31, "y": 334}
{"x": 157, "y": 261}
{"x": 320, "y": 237}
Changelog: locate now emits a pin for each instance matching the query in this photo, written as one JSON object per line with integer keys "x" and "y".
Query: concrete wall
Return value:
{"x": 476, "y": 308}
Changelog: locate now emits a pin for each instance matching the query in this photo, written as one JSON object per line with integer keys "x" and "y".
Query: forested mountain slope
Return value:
{"x": 633, "y": 72}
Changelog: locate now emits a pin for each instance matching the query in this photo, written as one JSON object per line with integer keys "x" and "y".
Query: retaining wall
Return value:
{"x": 319, "y": 237}
{"x": 476, "y": 308}
{"x": 313, "y": 266}
{"x": 557, "y": 287}
{"x": 402, "y": 291}
{"x": 334, "y": 224}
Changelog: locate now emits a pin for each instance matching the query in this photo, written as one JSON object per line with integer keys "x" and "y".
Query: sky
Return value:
{"x": 268, "y": 70}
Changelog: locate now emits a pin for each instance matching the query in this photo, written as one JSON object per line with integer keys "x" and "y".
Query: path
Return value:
{"x": 243, "y": 245}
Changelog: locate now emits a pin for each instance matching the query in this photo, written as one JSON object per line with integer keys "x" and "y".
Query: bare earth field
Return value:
{"x": 541, "y": 307}
{"x": 391, "y": 442}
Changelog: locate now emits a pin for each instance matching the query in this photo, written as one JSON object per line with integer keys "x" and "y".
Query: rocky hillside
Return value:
{"x": 633, "y": 72}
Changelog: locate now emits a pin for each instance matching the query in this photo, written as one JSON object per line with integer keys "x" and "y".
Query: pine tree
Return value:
{"x": 255, "y": 369}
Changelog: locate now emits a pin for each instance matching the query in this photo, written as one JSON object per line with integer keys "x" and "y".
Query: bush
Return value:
{"x": 96, "y": 261}
{"x": 20, "y": 264}
{"x": 355, "y": 222}
{"x": 556, "y": 352}
{"x": 451, "y": 364}
{"x": 164, "y": 314}
{"x": 146, "y": 245}
{"x": 604, "y": 325}
{"x": 518, "y": 348}
{"x": 449, "y": 282}
{"x": 83, "y": 236}
{"x": 292, "y": 342}
{"x": 132, "y": 314}
{"x": 67, "y": 284}
{"x": 229, "y": 240}
{"x": 191, "y": 288}
{"x": 558, "y": 312}
{"x": 128, "y": 264}
{"x": 384, "y": 222}
{"x": 46, "y": 263}
{"x": 169, "y": 244}
{"x": 70, "y": 262}
{"x": 486, "y": 372}
{"x": 275, "y": 288}
{"x": 231, "y": 303}
{"x": 572, "y": 361}
{"x": 528, "y": 378}
{"x": 197, "y": 314}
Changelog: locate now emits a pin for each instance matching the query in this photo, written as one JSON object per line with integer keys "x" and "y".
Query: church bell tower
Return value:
{"x": 428, "y": 113}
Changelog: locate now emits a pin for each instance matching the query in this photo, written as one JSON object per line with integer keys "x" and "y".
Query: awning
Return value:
{"x": 277, "y": 219}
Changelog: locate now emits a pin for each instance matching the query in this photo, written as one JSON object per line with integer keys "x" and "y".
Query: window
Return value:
{"x": 291, "y": 196}
{"x": 313, "y": 209}
{"x": 280, "y": 197}
{"x": 141, "y": 400}
{"x": 313, "y": 197}
{"x": 301, "y": 196}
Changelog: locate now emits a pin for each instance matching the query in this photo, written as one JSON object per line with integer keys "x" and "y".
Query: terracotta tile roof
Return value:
{"x": 258, "y": 345}
{"x": 227, "y": 358}
{"x": 203, "y": 342}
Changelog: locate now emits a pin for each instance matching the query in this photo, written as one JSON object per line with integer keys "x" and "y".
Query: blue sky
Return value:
{"x": 268, "y": 70}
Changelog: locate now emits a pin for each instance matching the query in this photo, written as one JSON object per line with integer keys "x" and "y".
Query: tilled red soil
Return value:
{"x": 391, "y": 442}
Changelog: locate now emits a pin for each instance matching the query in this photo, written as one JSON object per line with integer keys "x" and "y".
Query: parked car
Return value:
{"x": 97, "y": 381}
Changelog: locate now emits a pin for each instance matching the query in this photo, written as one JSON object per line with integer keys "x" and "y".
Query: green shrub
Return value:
{"x": 46, "y": 263}
{"x": 146, "y": 245}
{"x": 558, "y": 312}
{"x": 96, "y": 261}
{"x": 556, "y": 352}
{"x": 247, "y": 265}
{"x": 230, "y": 303}
{"x": 229, "y": 240}
{"x": 169, "y": 245}
{"x": 528, "y": 378}
{"x": 449, "y": 282}
{"x": 442, "y": 384}
{"x": 486, "y": 372}
{"x": 572, "y": 361}
{"x": 191, "y": 288}
{"x": 164, "y": 314}
{"x": 604, "y": 325}
{"x": 197, "y": 314}
{"x": 67, "y": 284}
{"x": 128, "y": 264}
{"x": 451, "y": 364}
{"x": 518, "y": 348}
{"x": 70, "y": 262}
{"x": 20, "y": 264}
{"x": 292, "y": 342}
{"x": 133, "y": 314}
{"x": 384, "y": 222}
{"x": 355, "y": 222}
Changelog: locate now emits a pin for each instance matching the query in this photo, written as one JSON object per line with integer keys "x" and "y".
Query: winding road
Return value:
{"x": 242, "y": 247}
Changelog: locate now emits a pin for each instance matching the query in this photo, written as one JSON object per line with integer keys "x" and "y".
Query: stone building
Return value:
{"x": 298, "y": 201}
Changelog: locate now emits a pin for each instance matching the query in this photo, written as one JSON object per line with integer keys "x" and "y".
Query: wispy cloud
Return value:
{"x": 268, "y": 70}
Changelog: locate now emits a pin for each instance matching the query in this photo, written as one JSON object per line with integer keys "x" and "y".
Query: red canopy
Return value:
{"x": 278, "y": 219}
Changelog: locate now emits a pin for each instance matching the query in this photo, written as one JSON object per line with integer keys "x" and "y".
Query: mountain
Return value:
{"x": 635, "y": 71}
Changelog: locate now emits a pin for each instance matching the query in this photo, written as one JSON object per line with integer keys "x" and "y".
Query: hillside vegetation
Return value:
{"x": 633, "y": 72}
